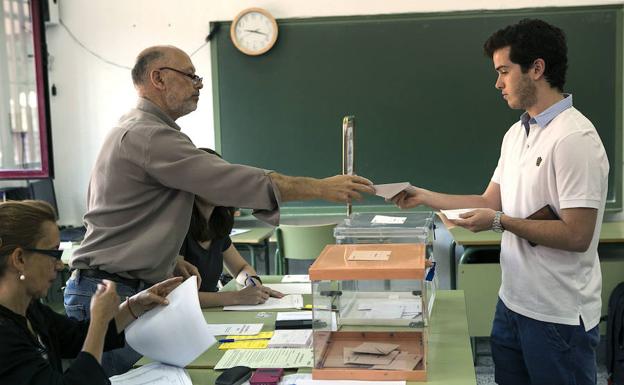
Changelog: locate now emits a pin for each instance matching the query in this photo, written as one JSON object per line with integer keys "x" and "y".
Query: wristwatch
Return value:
{"x": 497, "y": 226}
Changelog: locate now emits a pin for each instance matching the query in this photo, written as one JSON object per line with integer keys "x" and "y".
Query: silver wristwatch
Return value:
{"x": 497, "y": 226}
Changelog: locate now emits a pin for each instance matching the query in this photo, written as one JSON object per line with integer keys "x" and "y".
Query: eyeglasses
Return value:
{"x": 194, "y": 78}
{"x": 50, "y": 253}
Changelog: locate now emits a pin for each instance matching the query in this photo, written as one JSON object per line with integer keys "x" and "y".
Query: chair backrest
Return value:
{"x": 302, "y": 242}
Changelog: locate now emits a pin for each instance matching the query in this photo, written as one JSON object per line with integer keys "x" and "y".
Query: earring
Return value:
{"x": 22, "y": 277}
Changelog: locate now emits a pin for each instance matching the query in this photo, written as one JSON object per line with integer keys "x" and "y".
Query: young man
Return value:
{"x": 545, "y": 328}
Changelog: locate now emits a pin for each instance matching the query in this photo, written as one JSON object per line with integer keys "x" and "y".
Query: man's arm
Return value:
{"x": 417, "y": 196}
{"x": 573, "y": 232}
{"x": 339, "y": 188}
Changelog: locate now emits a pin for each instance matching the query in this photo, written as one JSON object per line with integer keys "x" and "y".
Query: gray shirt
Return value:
{"x": 142, "y": 190}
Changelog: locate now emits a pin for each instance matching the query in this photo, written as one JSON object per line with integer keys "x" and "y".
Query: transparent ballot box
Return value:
{"x": 363, "y": 330}
{"x": 415, "y": 227}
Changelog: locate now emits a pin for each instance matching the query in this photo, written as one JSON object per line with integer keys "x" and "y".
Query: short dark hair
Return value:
{"x": 145, "y": 58}
{"x": 20, "y": 226}
{"x": 532, "y": 39}
{"x": 220, "y": 223}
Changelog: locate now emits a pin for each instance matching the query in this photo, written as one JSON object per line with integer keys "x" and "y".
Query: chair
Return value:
{"x": 301, "y": 242}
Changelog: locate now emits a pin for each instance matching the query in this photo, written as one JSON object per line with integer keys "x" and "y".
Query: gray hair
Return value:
{"x": 145, "y": 58}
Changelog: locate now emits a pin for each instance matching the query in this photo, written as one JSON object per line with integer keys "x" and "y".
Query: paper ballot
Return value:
{"x": 175, "y": 334}
{"x": 389, "y": 190}
{"x": 153, "y": 374}
{"x": 454, "y": 214}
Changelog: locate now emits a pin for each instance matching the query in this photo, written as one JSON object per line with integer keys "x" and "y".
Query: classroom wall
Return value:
{"x": 94, "y": 47}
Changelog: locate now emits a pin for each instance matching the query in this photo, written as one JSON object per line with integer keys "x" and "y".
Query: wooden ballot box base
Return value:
{"x": 329, "y": 365}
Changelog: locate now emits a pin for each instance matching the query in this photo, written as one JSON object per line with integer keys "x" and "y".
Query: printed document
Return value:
{"x": 296, "y": 278}
{"x": 291, "y": 288}
{"x": 153, "y": 374}
{"x": 175, "y": 334}
{"x": 388, "y": 220}
{"x": 235, "y": 329}
{"x": 266, "y": 358}
{"x": 293, "y": 301}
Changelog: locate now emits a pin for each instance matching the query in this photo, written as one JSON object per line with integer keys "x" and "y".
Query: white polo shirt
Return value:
{"x": 561, "y": 163}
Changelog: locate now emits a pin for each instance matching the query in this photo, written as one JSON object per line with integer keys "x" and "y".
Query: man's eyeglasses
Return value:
{"x": 194, "y": 78}
{"x": 51, "y": 253}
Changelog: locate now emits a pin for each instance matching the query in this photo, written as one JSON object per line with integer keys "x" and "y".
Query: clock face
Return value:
{"x": 254, "y": 31}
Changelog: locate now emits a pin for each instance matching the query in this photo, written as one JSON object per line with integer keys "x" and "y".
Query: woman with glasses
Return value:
{"x": 33, "y": 337}
{"x": 208, "y": 246}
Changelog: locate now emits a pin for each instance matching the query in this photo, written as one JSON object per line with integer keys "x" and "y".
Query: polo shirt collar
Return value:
{"x": 547, "y": 115}
{"x": 146, "y": 105}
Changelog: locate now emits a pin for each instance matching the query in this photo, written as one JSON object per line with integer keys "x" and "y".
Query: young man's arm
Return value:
{"x": 417, "y": 196}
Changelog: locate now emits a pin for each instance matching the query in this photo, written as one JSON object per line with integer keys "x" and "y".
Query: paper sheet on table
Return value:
{"x": 293, "y": 315}
{"x": 369, "y": 255}
{"x": 291, "y": 288}
{"x": 153, "y": 374}
{"x": 291, "y": 338}
{"x": 292, "y": 301}
{"x": 296, "y": 278}
{"x": 347, "y": 382}
{"x": 236, "y": 329}
{"x": 266, "y": 358}
{"x": 454, "y": 214}
{"x": 238, "y": 231}
{"x": 389, "y": 190}
{"x": 175, "y": 334}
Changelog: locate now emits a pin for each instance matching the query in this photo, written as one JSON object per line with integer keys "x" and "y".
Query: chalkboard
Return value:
{"x": 421, "y": 90}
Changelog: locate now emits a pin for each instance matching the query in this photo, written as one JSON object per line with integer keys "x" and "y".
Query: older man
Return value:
{"x": 145, "y": 180}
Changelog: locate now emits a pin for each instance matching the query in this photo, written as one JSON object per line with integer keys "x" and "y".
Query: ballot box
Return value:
{"x": 363, "y": 330}
{"x": 401, "y": 227}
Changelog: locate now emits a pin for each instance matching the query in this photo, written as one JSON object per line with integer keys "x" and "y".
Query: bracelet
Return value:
{"x": 130, "y": 309}
{"x": 256, "y": 278}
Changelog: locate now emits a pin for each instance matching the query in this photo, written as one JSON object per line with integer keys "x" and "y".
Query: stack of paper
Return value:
{"x": 154, "y": 374}
{"x": 291, "y": 338}
{"x": 286, "y": 302}
{"x": 291, "y": 288}
{"x": 375, "y": 356}
{"x": 266, "y": 358}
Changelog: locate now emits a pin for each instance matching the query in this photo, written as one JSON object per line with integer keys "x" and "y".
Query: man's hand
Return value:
{"x": 344, "y": 188}
{"x": 409, "y": 198}
{"x": 476, "y": 220}
{"x": 185, "y": 269}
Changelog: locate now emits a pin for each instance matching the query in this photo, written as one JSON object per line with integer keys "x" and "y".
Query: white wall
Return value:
{"x": 92, "y": 93}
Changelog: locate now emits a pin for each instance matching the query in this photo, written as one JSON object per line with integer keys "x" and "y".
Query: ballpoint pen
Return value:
{"x": 250, "y": 280}
{"x": 241, "y": 339}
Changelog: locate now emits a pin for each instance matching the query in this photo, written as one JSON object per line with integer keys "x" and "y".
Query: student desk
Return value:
{"x": 481, "y": 281}
{"x": 449, "y": 361}
{"x": 253, "y": 238}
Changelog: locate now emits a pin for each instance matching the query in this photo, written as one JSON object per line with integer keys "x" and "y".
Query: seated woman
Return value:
{"x": 34, "y": 337}
{"x": 208, "y": 246}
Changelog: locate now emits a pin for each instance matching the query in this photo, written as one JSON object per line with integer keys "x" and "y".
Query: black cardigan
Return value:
{"x": 25, "y": 361}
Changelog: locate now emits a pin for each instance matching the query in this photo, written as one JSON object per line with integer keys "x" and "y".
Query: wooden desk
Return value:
{"x": 257, "y": 237}
{"x": 481, "y": 281}
{"x": 449, "y": 361}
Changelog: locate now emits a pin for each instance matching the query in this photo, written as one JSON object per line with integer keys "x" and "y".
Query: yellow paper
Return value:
{"x": 266, "y": 335}
{"x": 254, "y": 344}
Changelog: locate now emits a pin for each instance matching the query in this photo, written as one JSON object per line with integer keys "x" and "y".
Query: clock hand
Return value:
{"x": 255, "y": 31}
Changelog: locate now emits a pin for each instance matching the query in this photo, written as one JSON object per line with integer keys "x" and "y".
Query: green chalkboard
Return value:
{"x": 419, "y": 86}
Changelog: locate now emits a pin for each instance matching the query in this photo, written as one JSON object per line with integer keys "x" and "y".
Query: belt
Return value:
{"x": 101, "y": 274}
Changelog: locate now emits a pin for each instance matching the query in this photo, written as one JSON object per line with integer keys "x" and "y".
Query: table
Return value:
{"x": 257, "y": 237}
{"x": 481, "y": 281}
{"x": 449, "y": 360}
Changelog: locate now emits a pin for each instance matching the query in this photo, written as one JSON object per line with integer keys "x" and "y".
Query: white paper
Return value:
{"x": 291, "y": 338}
{"x": 296, "y": 278}
{"x": 291, "y": 288}
{"x": 293, "y": 316}
{"x": 235, "y": 329}
{"x": 293, "y": 379}
{"x": 153, "y": 374}
{"x": 175, "y": 334}
{"x": 292, "y": 301}
{"x": 238, "y": 231}
{"x": 389, "y": 190}
{"x": 454, "y": 214}
{"x": 388, "y": 220}
{"x": 266, "y": 358}
{"x": 347, "y": 382}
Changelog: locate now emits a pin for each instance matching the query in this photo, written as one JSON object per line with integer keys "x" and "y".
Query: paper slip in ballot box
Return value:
{"x": 381, "y": 330}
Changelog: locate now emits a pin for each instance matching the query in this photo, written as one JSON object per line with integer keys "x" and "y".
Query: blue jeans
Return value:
{"x": 527, "y": 351}
{"x": 77, "y": 298}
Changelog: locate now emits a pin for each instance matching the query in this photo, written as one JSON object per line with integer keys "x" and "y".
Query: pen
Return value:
{"x": 242, "y": 339}
{"x": 250, "y": 280}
